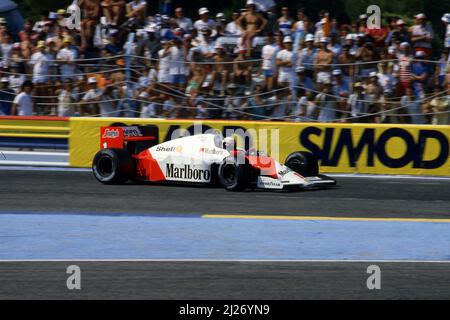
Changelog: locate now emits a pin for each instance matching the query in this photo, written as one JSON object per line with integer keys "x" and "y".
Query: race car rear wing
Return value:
{"x": 119, "y": 137}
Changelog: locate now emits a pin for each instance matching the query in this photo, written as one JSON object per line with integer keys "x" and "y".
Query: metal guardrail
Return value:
{"x": 32, "y": 134}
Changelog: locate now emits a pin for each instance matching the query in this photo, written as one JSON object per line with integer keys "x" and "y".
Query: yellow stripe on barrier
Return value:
{"x": 37, "y": 135}
{"x": 306, "y": 218}
{"x": 33, "y": 128}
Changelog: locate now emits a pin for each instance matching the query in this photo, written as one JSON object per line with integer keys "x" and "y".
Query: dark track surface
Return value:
{"x": 224, "y": 280}
{"x": 79, "y": 192}
{"x": 36, "y": 191}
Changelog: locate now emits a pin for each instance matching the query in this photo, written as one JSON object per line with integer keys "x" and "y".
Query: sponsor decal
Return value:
{"x": 330, "y": 152}
{"x": 111, "y": 133}
{"x": 187, "y": 173}
{"x": 211, "y": 151}
{"x": 132, "y": 132}
{"x": 178, "y": 149}
{"x": 284, "y": 172}
{"x": 269, "y": 183}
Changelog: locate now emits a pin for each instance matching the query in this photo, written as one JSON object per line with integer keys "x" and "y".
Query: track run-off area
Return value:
{"x": 181, "y": 241}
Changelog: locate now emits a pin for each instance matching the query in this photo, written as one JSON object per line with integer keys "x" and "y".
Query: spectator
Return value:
{"x": 307, "y": 56}
{"x": 285, "y": 64}
{"x": 256, "y": 105}
{"x": 91, "y": 98}
{"x": 6, "y": 97}
{"x": 446, "y": 20}
{"x": 182, "y": 21}
{"x": 136, "y": 10}
{"x": 66, "y": 59}
{"x": 323, "y": 62}
{"x": 421, "y": 35}
{"x": 232, "y": 29}
{"x": 414, "y": 107}
{"x": 67, "y": 98}
{"x": 254, "y": 22}
{"x": 268, "y": 66}
{"x": 285, "y": 22}
{"x": 23, "y": 102}
{"x": 326, "y": 103}
{"x": 91, "y": 15}
{"x": 204, "y": 22}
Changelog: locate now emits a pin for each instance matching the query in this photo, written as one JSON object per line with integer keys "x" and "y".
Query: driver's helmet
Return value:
{"x": 228, "y": 143}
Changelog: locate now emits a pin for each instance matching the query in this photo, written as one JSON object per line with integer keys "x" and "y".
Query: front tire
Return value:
{"x": 113, "y": 166}
{"x": 232, "y": 175}
{"x": 304, "y": 163}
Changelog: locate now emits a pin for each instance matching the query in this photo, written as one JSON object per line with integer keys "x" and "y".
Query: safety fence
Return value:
{"x": 126, "y": 101}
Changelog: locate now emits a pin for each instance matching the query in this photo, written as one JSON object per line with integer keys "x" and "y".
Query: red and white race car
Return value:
{"x": 129, "y": 153}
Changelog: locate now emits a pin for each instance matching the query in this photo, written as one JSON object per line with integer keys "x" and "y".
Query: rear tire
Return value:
{"x": 233, "y": 176}
{"x": 113, "y": 166}
{"x": 304, "y": 163}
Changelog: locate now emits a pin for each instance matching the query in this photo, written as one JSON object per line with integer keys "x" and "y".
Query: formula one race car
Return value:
{"x": 131, "y": 153}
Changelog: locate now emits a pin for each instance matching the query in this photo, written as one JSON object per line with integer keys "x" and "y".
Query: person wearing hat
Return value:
{"x": 421, "y": 35}
{"x": 358, "y": 104}
{"x": 347, "y": 61}
{"x": 419, "y": 74}
{"x": 89, "y": 105}
{"x": 254, "y": 22}
{"x": 446, "y": 20}
{"x": 204, "y": 22}
{"x": 61, "y": 18}
{"x": 164, "y": 63}
{"x": 40, "y": 63}
{"x": 6, "y": 97}
{"x": 286, "y": 64}
{"x": 23, "y": 102}
{"x": 323, "y": 61}
{"x": 341, "y": 87}
{"x": 66, "y": 59}
{"x": 307, "y": 56}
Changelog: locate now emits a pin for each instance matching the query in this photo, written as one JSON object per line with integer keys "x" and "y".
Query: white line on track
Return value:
{"x": 229, "y": 260}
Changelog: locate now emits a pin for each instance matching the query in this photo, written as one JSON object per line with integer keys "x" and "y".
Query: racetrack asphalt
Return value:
{"x": 78, "y": 192}
{"x": 52, "y": 191}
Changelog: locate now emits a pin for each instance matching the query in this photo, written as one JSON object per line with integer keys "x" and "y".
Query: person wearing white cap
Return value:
{"x": 307, "y": 55}
{"x": 91, "y": 98}
{"x": 323, "y": 62}
{"x": 204, "y": 21}
{"x": 419, "y": 74}
{"x": 446, "y": 20}
{"x": 254, "y": 22}
{"x": 285, "y": 63}
{"x": 421, "y": 35}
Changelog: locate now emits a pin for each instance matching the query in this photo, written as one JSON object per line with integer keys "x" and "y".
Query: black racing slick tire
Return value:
{"x": 304, "y": 163}
{"x": 232, "y": 175}
{"x": 113, "y": 166}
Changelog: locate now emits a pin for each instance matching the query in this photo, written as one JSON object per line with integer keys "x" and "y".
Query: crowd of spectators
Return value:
{"x": 271, "y": 64}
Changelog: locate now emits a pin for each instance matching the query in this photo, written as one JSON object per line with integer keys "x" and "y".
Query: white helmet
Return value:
{"x": 228, "y": 142}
